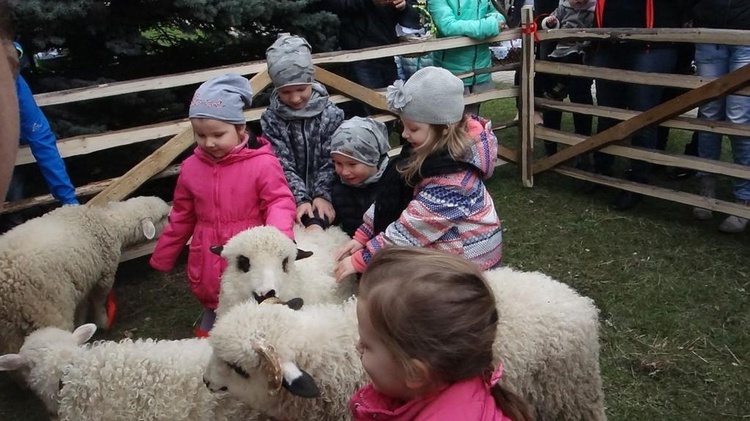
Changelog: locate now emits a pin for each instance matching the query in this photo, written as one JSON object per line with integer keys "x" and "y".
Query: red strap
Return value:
{"x": 649, "y": 14}
{"x": 531, "y": 29}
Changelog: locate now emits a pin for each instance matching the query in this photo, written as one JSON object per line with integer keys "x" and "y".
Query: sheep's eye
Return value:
{"x": 239, "y": 370}
{"x": 243, "y": 263}
{"x": 285, "y": 264}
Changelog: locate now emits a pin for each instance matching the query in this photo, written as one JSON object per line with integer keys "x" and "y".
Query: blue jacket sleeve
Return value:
{"x": 36, "y": 132}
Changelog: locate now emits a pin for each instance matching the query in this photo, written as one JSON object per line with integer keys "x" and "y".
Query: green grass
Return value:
{"x": 673, "y": 293}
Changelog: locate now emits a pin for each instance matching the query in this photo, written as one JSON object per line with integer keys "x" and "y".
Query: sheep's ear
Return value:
{"x": 302, "y": 254}
{"x": 298, "y": 382}
{"x": 295, "y": 303}
{"x": 83, "y": 333}
{"x": 11, "y": 362}
{"x": 149, "y": 230}
{"x": 216, "y": 250}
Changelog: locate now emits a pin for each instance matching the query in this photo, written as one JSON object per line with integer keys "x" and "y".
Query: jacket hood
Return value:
{"x": 239, "y": 153}
{"x": 482, "y": 152}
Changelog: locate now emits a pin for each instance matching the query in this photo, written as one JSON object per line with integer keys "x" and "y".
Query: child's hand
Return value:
{"x": 304, "y": 209}
{"x": 550, "y": 22}
{"x": 344, "y": 269}
{"x": 399, "y": 4}
{"x": 347, "y": 249}
{"x": 324, "y": 208}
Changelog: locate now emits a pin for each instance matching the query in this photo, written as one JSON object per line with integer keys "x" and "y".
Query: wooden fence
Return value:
{"x": 669, "y": 114}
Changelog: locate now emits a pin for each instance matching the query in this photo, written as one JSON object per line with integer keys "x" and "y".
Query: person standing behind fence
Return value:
{"x": 427, "y": 322}
{"x": 232, "y": 182}
{"x": 359, "y": 149}
{"x": 714, "y": 60}
{"x": 476, "y": 19}
{"x": 569, "y": 14}
{"x": 432, "y": 195}
{"x": 370, "y": 23}
{"x": 299, "y": 122}
{"x": 634, "y": 56}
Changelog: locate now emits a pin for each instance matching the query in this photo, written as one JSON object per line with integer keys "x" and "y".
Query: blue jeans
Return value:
{"x": 715, "y": 60}
{"x": 375, "y": 74}
{"x": 637, "y": 57}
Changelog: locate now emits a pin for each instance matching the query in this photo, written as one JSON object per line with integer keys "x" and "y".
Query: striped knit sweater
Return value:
{"x": 452, "y": 212}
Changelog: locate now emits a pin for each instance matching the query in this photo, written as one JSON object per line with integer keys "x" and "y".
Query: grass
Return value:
{"x": 673, "y": 294}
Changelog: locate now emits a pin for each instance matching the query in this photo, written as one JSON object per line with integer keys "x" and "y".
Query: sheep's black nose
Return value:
{"x": 223, "y": 389}
{"x": 206, "y": 382}
{"x": 271, "y": 293}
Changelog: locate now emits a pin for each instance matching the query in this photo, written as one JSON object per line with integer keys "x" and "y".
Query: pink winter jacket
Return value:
{"x": 469, "y": 400}
{"x": 213, "y": 201}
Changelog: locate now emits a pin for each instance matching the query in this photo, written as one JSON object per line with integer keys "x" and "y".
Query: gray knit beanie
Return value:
{"x": 361, "y": 139}
{"x": 432, "y": 95}
{"x": 289, "y": 61}
{"x": 222, "y": 98}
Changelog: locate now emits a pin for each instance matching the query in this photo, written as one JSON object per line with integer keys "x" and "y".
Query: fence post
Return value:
{"x": 526, "y": 113}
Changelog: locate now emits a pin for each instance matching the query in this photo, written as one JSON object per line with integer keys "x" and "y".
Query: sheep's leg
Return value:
{"x": 98, "y": 300}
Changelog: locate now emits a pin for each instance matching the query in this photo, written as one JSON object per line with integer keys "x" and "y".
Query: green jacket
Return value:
{"x": 473, "y": 18}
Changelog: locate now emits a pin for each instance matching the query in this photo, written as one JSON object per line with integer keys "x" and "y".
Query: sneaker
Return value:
{"x": 733, "y": 225}
{"x": 200, "y": 333}
{"x": 707, "y": 189}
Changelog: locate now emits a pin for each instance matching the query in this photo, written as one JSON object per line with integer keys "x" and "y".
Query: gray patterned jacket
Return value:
{"x": 302, "y": 142}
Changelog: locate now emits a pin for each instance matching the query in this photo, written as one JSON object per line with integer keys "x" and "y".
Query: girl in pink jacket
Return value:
{"x": 232, "y": 182}
{"x": 427, "y": 322}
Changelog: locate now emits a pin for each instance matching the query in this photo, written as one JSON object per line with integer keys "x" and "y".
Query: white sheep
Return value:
{"x": 263, "y": 262}
{"x": 57, "y": 268}
{"x": 547, "y": 341}
{"x": 127, "y": 380}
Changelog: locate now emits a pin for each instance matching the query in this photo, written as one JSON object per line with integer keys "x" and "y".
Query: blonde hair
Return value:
{"x": 455, "y": 140}
{"x": 436, "y": 308}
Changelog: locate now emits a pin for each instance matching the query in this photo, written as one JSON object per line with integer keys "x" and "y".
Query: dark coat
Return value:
{"x": 632, "y": 13}
{"x": 351, "y": 203}
{"x": 365, "y": 24}
{"x": 721, "y": 14}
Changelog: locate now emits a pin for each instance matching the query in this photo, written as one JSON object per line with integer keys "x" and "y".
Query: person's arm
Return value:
{"x": 283, "y": 151}
{"x": 425, "y": 220}
{"x": 449, "y": 26}
{"x": 326, "y": 174}
{"x": 277, "y": 201}
{"x": 9, "y": 124}
{"x": 36, "y": 132}
{"x": 181, "y": 224}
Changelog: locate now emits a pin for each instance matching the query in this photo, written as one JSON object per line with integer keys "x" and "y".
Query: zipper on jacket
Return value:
{"x": 216, "y": 199}
{"x": 458, "y": 12}
{"x": 307, "y": 160}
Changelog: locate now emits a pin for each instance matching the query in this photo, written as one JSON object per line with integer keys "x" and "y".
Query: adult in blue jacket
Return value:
{"x": 36, "y": 132}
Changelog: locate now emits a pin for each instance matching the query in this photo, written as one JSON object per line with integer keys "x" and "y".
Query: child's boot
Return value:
{"x": 734, "y": 224}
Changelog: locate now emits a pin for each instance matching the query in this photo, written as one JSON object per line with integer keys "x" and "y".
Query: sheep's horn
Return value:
{"x": 302, "y": 254}
{"x": 216, "y": 250}
{"x": 273, "y": 364}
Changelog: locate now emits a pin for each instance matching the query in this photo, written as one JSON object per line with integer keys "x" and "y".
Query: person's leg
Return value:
{"x": 738, "y": 111}
{"x": 711, "y": 61}
{"x": 608, "y": 94}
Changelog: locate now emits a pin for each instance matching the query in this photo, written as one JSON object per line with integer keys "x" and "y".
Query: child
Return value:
{"x": 359, "y": 149}
{"x": 232, "y": 182}
{"x": 432, "y": 194}
{"x": 427, "y": 323}
{"x": 299, "y": 123}
{"x": 569, "y": 14}
{"x": 478, "y": 20}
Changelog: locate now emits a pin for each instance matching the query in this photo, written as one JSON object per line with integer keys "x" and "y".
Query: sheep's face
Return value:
{"x": 260, "y": 261}
{"x": 143, "y": 217}
{"x": 43, "y": 358}
{"x": 242, "y": 380}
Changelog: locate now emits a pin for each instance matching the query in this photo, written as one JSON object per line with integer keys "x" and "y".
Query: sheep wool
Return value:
{"x": 52, "y": 265}
{"x": 547, "y": 341}
{"x": 263, "y": 261}
{"x": 122, "y": 381}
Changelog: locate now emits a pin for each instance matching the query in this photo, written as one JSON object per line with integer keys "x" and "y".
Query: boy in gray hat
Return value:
{"x": 299, "y": 123}
{"x": 359, "y": 149}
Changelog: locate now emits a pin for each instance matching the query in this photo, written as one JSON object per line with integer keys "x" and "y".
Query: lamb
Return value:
{"x": 56, "y": 268}
{"x": 547, "y": 341}
{"x": 127, "y": 380}
{"x": 262, "y": 262}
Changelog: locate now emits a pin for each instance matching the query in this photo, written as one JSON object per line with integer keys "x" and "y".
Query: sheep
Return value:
{"x": 56, "y": 268}
{"x": 262, "y": 263}
{"x": 547, "y": 341}
{"x": 127, "y": 380}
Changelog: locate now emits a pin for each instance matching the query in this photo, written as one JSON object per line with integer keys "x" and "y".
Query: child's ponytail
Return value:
{"x": 512, "y": 405}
